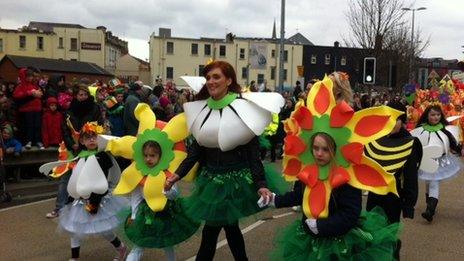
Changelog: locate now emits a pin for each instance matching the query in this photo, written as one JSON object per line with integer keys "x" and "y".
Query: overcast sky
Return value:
{"x": 321, "y": 21}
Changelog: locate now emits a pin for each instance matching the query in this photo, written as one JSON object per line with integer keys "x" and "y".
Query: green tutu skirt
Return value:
{"x": 161, "y": 229}
{"x": 373, "y": 239}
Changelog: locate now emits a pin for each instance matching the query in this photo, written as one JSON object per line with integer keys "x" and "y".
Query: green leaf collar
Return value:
{"x": 222, "y": 103}
{"x": 433, "y": 128}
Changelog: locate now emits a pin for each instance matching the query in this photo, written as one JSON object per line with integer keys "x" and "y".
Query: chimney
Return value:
{"x": 101, "y": 27}
{"x": 165, "y": 32}
{"x": 336, "y": 44}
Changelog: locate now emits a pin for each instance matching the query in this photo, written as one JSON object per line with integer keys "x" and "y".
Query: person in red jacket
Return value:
{"x": 27, "y": 96}
{"x": 51, "y": 124}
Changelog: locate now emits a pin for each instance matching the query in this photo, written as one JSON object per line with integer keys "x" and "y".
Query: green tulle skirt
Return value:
{"x": 161, "y": 229}
{"x": 373, "y": 239}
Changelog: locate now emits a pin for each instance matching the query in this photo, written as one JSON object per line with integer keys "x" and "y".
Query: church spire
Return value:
{"x": 274, "y": 34}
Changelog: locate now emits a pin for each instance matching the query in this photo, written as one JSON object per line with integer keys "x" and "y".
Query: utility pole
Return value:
{"x": 282, "y": 46}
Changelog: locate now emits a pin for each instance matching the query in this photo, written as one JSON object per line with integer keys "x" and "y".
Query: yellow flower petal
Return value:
{"x": 381, "y": 111}
{"x": 153, "y": 192}
{"x": 191, "y": 175}
{"x": 130, "y": 178}
{"x": 313, "y": 97}
{"x": 179, "y": 156}
{"x": 176, "y": 128}
{"x": 122, "y": 146}
{"x": 379, "y": 172}
{"x": 146, "y": 117}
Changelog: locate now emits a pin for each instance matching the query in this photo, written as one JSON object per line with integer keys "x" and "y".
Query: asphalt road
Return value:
{"x": 25, "y": 233}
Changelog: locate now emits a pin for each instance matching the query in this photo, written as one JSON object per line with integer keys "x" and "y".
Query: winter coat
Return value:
{"x": 52, "y": 133}
{"x": 23, "y": 95}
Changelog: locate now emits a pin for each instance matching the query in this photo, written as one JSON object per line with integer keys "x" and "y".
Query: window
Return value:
{"x": 242, "y": 53}
{"x": 244, "y": 72}
{"x": 73, "y": 44}
{"x": 194, "y": 49}
{"x": 169, "y": 72}
{"x": 273, "y": 70}
{"x": 60, "y": 43}
{"x": 201, "y": 68}
{"x": 1, "y": 45}
{"x": 222, "y": 50}
{"x": 170, "y": 47}
{"x": 285, "y": 74}
{"x": 285, "y": 56}
{"x": 313, "y": 59}
{"x": 40, "y": 43}
{"x": 260, "y": 78}
{"x": 207, "y": 49}
{"x": 343, "y": 61}
{"x": 327, "y": 59}
{"x": 22, "y": 42}
{"x": 273, "y": 53}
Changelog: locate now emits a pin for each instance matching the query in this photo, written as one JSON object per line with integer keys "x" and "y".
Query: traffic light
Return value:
{"x": 369, "y": 70}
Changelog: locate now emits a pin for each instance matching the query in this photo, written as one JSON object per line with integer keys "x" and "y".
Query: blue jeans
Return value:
{"x": 62, "y": 195}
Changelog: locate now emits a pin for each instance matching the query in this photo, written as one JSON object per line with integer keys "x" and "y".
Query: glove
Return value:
{"x": 312, "y": 225}
{"x": 266, "y": 201}
{"x": 172, "y": 193}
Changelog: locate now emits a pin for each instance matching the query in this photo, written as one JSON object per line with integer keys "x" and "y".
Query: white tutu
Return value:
{"x": 76, "y": 220}
{"x": 449, "y": 166}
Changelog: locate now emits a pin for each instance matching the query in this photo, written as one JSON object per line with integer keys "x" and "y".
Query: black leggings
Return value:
{"x": 209, "y": 239}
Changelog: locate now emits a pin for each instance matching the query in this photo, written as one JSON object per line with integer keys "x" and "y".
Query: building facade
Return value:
{"x": 435, "y": 67}
{"x": 254, "y": 59}
{"x": 63, "y": 41}
{"x": 130, "y": 68}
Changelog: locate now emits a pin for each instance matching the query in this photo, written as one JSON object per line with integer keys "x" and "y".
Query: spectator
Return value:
{"x": 138, "y": 93}
{"x": 297, "y": 91}
{"x": 115, "y": 111}
{"x": 51, "y": 124}
{"x": 11, "y": 145}
{"x": 7, "y": 113}
{"x": 28, "y": 96}
{"x": 55, "y": 84}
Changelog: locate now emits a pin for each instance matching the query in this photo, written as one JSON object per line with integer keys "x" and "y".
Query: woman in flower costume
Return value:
{"x": 157, "y": 219}
{"x": 225, "y": 124}
{"x": 324, "y": 153}
{"x": 94, "y": 209}
{"x": 433, "y": 129}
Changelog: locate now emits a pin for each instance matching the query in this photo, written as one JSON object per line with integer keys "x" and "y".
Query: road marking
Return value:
{"x": 248, "y": 229}
{"x": 27, "y": 204}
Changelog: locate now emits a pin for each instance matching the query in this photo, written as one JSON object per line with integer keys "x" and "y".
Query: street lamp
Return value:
{"x": 411, "y": 73}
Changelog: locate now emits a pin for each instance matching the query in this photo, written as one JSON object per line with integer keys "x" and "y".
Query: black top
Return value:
{"x": 244, "y": 156}
{"x": 344, "y": 209}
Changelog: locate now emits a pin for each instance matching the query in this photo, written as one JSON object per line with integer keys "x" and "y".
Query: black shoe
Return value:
{"x": 430, "y": 211}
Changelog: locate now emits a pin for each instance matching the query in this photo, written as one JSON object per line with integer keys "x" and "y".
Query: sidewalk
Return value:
{"x": 29, "y": 190}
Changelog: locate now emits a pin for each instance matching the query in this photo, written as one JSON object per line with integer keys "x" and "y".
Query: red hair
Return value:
{"x": 228, "y": 72}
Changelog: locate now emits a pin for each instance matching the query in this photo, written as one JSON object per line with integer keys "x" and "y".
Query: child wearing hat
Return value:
{"x": 10, "y": 144}
{"x": 52, "y": 119}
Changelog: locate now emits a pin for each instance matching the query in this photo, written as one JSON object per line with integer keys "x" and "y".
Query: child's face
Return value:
{"x": 89, "y": 141}
{"x": 53, "y": 107}
{"x": 434, "y": 117}
{"x": 120, "y": 98}
{"x": 151, "y": 157}
{"x": 5, "y": 134}
{"x": 82, "y": 95}
{"x": 321, "y": 151}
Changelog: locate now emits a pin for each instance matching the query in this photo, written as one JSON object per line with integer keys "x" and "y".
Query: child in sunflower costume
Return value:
{"x": 324, "y": 154}
{"x": 157, "y": 218}
{"x": 94, "y": 209}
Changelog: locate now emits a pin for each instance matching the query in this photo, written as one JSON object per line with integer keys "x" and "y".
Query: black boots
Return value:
{"x": 431, "y": 206}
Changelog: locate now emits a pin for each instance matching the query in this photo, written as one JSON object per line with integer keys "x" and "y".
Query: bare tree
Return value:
{"x": 380, "y": 27}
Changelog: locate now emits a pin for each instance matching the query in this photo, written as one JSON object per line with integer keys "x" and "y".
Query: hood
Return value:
{"x": 22, "y": 75}
{"x": 54, "y": 79}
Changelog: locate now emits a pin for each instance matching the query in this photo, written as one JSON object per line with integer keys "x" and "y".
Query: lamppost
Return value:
{"x": 411, "y": 72}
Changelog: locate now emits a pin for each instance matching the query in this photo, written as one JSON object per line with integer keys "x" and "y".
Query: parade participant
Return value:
{"x": 94, "y": 209}
{"x": 400, "y": 154}
{"x": 225, "y": 124}
{"x": 82, "y": 109}
{"x": 156, "y": 220}
{"x": 341, "y": 87}
{"x": 432, "y": 129}
{"x": 324, "y": 153}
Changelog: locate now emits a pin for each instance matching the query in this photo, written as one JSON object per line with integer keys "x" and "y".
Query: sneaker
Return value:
{"x": 52, "y": 214}
{"x": 40, "y": 145}
{"x": 28, "y": 145}
{"x": 296, "y": 208}
{"x": 122, "y": 251}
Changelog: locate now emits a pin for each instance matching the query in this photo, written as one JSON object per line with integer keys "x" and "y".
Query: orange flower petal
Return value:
{"x": 322, "y": 100}
{"x": 309, "y": 175}
{"x": 353, "y": 152}
{"x": 293, "y": 167}
{"x": 160, "y": 124}
{"x": 341, "y": 114}
{"x": 317, "y": 199}
{"x": 304, "y": 118}
{"x": 370, "y": 125}
{"x": 294, "y": 145}
{"x": 180, "y": 146}
{"x": 369, "y": 176}
{"x": 338, "y": 177}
